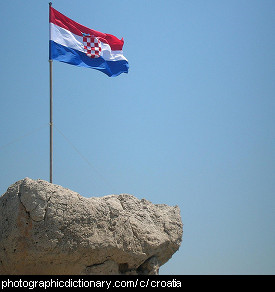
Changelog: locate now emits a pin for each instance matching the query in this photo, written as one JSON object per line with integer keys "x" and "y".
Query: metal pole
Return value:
{"x": 51, "y": 105}
{"x": 51, "y": 121}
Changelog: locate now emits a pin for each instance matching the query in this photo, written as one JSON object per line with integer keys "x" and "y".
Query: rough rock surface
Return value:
{"x": 47, "y": 229}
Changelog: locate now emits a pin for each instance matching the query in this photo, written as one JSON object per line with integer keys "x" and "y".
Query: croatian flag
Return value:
{"x": 75, "y": 44}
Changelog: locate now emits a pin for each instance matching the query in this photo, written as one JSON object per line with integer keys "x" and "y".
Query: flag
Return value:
{"x": 75, "y": 44}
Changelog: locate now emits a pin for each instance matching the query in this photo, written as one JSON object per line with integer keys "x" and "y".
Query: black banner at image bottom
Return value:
{"x": 109, "y": 283}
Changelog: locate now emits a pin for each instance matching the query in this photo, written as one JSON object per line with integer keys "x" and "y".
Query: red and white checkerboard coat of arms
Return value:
{"x": 92, "y": 46}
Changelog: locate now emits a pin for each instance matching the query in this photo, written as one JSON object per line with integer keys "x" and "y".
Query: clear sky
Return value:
{"x": 192, "y": 124}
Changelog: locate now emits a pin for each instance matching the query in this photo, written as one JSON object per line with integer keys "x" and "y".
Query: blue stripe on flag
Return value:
{"x": 77, "y": 58}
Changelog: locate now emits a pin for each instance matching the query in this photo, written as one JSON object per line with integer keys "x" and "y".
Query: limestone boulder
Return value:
{"x": 48, "y": 229}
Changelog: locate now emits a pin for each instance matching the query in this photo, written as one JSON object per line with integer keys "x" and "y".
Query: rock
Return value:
{"x": 47, "y": 229}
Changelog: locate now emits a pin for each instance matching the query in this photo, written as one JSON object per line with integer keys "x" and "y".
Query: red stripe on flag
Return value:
{"x": 63, "y": 21}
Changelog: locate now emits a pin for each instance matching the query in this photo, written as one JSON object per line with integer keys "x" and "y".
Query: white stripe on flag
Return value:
{"x": 68, "y": 39}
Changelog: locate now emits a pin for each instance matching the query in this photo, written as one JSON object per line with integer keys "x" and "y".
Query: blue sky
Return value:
{"x": 191, "y": 124}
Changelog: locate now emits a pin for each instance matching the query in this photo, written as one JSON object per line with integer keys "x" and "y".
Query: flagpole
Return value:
{"x": 51, "y": 105}
{"x": 51, "y": 121}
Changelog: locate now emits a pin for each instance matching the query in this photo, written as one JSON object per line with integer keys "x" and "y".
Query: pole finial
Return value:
{"x": 50, "y": 3}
